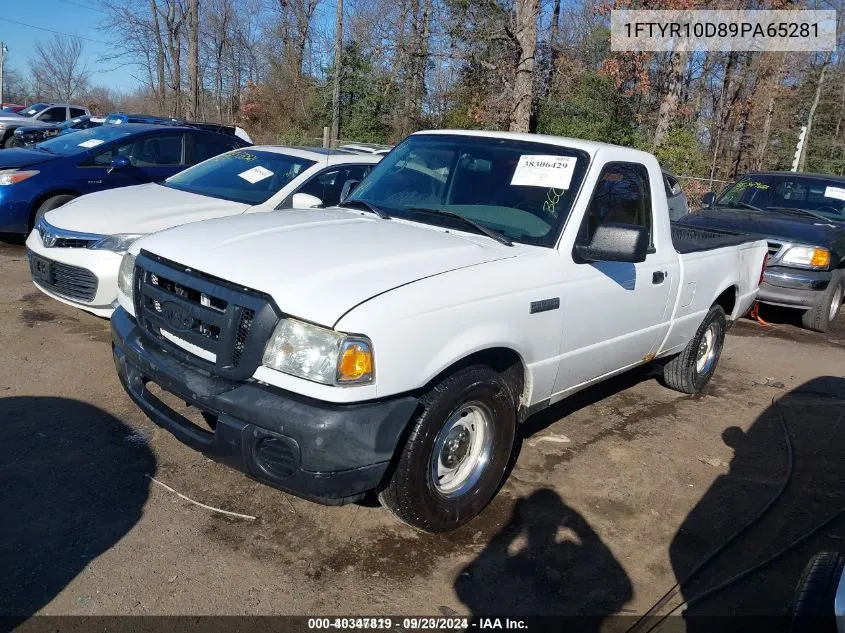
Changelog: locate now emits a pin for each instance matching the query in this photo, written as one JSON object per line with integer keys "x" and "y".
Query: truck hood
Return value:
{"x": 317, "y": 264}
{"x": 138, "y": 209}
{"x": 770, "y": 224}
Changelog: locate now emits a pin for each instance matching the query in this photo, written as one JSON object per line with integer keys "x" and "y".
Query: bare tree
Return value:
{"x": 58, "y": 69}
{"x": 523, "y": 85}
{"x": 194, "y": 59}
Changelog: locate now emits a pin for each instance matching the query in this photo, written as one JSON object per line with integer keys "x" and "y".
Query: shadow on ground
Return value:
{"x": 545, "y": 560}
{"x": 72, "y": 485}
{"x": 814, "y": 414}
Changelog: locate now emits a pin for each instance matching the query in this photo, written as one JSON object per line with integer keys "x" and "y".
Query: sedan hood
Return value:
{"x": 317, "y": 264}
{"x": 15, "y": 157}
{"x": 138, "y": 209}
{"x": 777, "y": 225}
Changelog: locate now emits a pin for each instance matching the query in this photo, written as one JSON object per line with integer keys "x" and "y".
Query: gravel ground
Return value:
{"x": 617, "y": 493}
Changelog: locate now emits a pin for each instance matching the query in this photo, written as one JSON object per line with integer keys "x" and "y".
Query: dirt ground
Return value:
{"x": 617, "y": 494}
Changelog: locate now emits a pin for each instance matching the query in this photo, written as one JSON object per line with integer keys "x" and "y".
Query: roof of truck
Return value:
{"x": 799, "y": 174}
{"x": 318, "y": 154}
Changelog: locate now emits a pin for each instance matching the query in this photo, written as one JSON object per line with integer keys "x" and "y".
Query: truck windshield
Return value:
{"x": 521, "y": 190}
{"x": 33, "y": 109}
{"x": 246, "y": 176}
{"x": 791, "y": 193}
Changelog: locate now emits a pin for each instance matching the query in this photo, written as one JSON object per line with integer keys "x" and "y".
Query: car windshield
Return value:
{"x": 33, "y": 109}
{"x": 245, "y": 176}
{"x": 790, "y": 193}
{"x": 83, "y": 140}
{"x": 520, "y": 190}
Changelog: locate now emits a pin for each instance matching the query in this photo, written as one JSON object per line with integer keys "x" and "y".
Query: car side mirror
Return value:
{"x": 305, "y": 201}
{"x": 348, "y": 187}
{"x": 709, "y": 199}
{"x": 118, "y": 162}
{"x": 614, "y": 242}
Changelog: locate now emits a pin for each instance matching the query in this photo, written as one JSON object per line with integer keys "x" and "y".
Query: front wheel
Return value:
{"x": 10, "y": 142}
{"x": 457, "y": 452}
{"x": 821, "y": 315}
{"x": 691, "y": 370}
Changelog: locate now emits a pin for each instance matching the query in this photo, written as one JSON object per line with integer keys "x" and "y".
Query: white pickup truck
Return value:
{"x": 395, "y": 344}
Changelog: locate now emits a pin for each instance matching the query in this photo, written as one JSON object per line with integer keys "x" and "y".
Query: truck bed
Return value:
{"x": 689, "y": 239}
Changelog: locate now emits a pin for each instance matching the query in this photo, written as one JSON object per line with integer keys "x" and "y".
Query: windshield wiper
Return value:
{"x": 367, "y": 206}
{"x": 744, "y": 205}
{"x": 478, "y": 227}
{"x": 815, "y": 214}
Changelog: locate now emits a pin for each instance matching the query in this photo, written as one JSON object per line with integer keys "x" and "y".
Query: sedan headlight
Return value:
{"x": 125, "y": 276}
{"x": 116, "y": 243}
{"x": 809, "y": 256}
{"x": 11, "y": 176}
{"x": 319, "y": 354}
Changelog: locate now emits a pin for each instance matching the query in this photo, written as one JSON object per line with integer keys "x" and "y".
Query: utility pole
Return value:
{"x": 338, "y": 69}
{"x": 3, "y": 51}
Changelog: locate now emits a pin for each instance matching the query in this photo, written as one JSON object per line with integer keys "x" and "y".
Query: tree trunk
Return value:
{"x": 161, "y": 87}
{"x": 669, "y": 102}
{"x": 194, "y": 59}
{"x": 802, "y": 162}
{"x": 338, "y": 70}
{"x": 774, "y": 89}
{"x": 523, "y": 85}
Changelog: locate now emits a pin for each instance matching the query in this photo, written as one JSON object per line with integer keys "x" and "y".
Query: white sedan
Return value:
{"x": 74, "y": 251}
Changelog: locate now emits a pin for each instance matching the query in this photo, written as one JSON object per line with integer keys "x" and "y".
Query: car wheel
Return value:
{"x": 691, "y": 370}
{"x": 821, "y": 315}
{"x": 457, "y": 452}
{"x": 48, "y": 205}
{"x": 10, "y": 141}
{"x": 813, "y": 601}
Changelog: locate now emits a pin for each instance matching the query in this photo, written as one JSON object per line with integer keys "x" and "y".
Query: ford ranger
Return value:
{"x": 394, "y": 343}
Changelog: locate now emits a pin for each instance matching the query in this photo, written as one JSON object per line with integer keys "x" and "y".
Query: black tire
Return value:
{"x": 10, "y": 141}
{"x": 48, "y": 205}
{"x": 812, "y": 603}
{"x": 818, "y": 317}
{"x": 411, "y": 492}
{"x": 681, "y": 373}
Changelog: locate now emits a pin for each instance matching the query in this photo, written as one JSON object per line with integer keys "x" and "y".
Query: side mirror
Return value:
{"x": 615, "y": 243}
{"x": 305, "y": 201}
{"x": 709, "y": 199}
{"x": 348, "y": 187}
{"x": 118, "y": 162}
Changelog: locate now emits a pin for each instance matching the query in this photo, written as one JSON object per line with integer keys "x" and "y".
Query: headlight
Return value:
{"x": 117, "y": 243}
{"x": 10, "y": 176}
{"x": 319, "y": 354}
{"x": 809, "y": 256}
{"x": 125, "y": 276}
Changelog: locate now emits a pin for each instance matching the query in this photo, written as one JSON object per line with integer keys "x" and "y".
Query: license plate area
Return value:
{"x": 41, "y": 269}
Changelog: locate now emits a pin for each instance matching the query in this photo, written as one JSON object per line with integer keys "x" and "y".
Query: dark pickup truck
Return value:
{"x": 802, "y": 217}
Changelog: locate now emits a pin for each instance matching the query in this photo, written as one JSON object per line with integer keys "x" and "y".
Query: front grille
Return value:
{"x": 774, "y": 248}
{"x": 67, "y": 281}
{"x": 72, "y": 242}
{"x": 230, "y": 325}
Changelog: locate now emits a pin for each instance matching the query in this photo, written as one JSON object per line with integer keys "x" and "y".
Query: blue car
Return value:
{"x": 36, "y": 180}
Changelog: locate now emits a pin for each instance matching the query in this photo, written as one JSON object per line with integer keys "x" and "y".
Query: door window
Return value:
{"x": 206, "y": 147}
{"x": 151, "y": 151}
{"x": 55, "y": 114}
{"x": 75, "y": 112}
{"x": 622, "y": 196}
{"x": 328, "y": 184}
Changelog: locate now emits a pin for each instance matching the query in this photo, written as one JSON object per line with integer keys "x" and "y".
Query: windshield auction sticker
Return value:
{"x": 544, "y": 171}
{"x": 834, "y": 192}
{"x": 256, "y": 174}
{"x": 91, "y": 142}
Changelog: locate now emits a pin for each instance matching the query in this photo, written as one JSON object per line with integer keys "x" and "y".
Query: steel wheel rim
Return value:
{"x": 707, "y": 350}
{"x": 462, "y": 450}
{"x": 834, "y": 304}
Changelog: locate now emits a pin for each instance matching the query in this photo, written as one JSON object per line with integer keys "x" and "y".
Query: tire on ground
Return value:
{"x": 681, "y": 372}
{"x": 48, "y": 205}
{"x": 411, "y": 492}
{"x": 818, "y": 317}
{"x": 10, "y": 141}
{"x": 812, "y": 603}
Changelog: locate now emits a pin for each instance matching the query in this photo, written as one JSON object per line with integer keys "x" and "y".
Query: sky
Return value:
{"x": 71, "y": 17}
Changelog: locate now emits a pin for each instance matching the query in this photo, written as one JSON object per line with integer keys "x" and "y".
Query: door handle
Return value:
{"x": 658, "y": 276}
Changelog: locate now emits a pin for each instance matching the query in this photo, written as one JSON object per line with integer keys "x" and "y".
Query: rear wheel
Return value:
{"x": 821, "y": 315}
{"x": 692, "y": 369}
{"x": 457, "y": 452}
{"x": 48, "y": 205}
{"x": 813, "y": 602}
